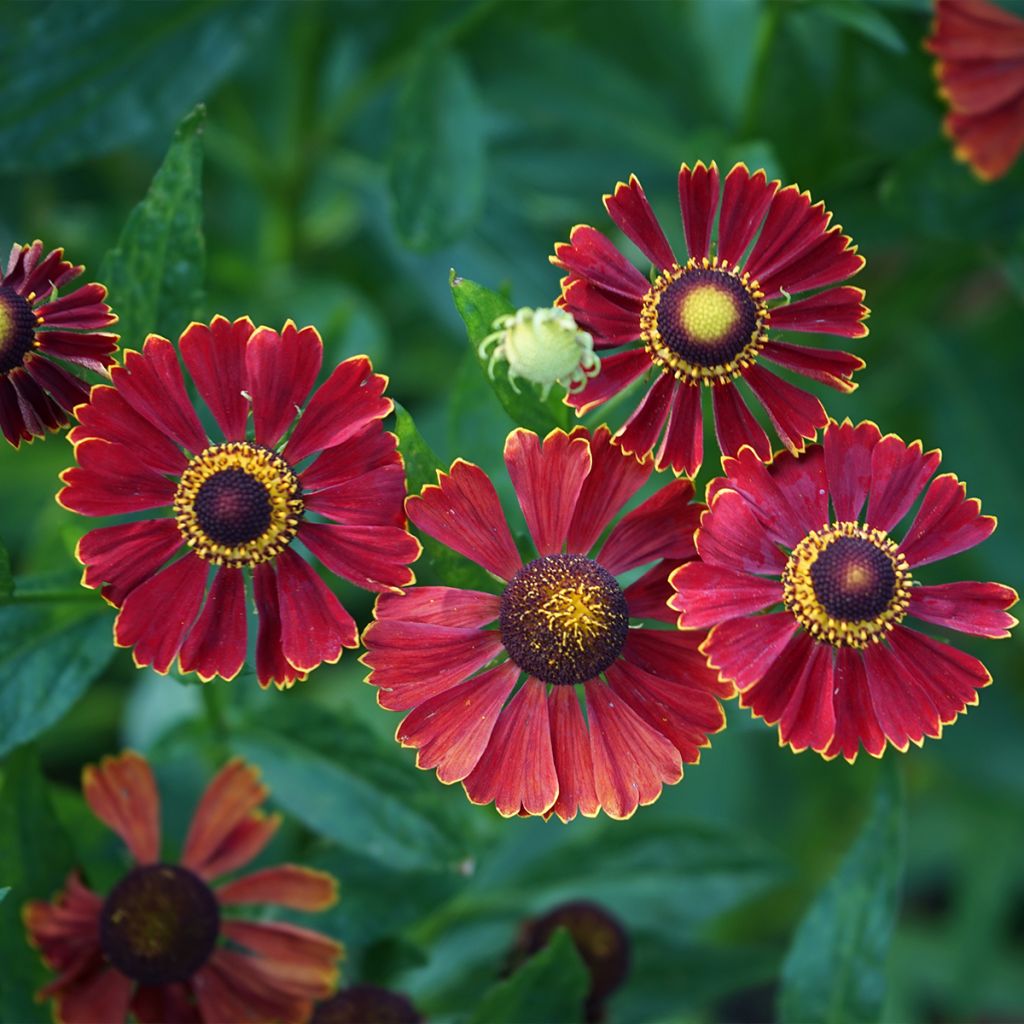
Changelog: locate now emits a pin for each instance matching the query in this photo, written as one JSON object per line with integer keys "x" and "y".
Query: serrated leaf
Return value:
{"x": 155, "y": 272}
{"x": 442, "y": 565}
{"x": 35, "y": 857}
{"x": 125, "y": 71}
{"x": 551, "y": 986}
{"x": 437, "y": 162}
{"x": 865, "y": 20}
{"x": 479, "y": 307}
{"x": 834, "y": 972}
{"x": 343, "y": 806}
{"x": 48, "y": 658}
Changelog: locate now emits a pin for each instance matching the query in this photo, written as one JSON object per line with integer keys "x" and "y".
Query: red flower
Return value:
{"x": 705, "y": 321}
{"x": 39, "y": 332}
{"x": 836, "y": 667}
{"x": 455, "y": 657}
{"x": 980, "y": 67}
{"x": 238, "y": 503}
{"x": 156, "y": 945}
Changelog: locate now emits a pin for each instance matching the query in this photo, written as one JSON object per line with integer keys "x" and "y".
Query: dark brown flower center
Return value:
{"x": 563, "y": 619}
{"x": 17, "y": 329}
{"x": 159, "y": 924}
{"x": 853, "y": 579}
{"x": 366, "y": 1004}
{"x": 232, "y": 507}
{"x": 704, "y": 322}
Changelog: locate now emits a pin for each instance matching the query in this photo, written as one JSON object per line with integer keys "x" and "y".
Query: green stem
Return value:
{"x": 765, "y": 39}
{"x": 213, "y": 705}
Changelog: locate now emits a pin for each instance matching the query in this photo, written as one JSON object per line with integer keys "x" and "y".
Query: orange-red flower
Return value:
{"x": 455, "y": 658}
{"x": 318, "y": 468}
{"x": 710, "y": 320}
{"x": 161, "y": 944}
{"x": 979, "y": 50}
{"x": 39, "y": 332}
{"x": 807, "y": 590}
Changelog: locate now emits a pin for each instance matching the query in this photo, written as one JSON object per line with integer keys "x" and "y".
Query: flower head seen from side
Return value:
{"x": 979, "y": 51}
{"x": 810, "y": 593}
{"x": 456, "y": 659}
{"x": 277, "y": 469}
{"x": 709, "y": 320}
{"x": 39, "y": 332}
{"x": 164, "y": 944}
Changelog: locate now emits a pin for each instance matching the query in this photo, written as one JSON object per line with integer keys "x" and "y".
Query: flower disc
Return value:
{"x": 17, "y": 329}
{"x": 159, "y": 924}
{"x": 563, "y": 619}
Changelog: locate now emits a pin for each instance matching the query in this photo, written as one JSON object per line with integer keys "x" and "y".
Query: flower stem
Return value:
{"x": 213, "y": 705}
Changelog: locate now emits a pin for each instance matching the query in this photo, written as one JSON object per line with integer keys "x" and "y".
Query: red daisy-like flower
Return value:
{"x": 39, "y": 332}
{"x": 455, "y": 657}
{"x": 835, "y": 666}
{"x": 980, "y": 67}
{"x": 705, "y": 320}
{"x": 323, "y": 472}
{"x": 160, "y": 945}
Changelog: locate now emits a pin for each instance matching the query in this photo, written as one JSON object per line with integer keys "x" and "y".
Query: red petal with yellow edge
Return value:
{"x": 271, "y": 664}
{"x": 796, "y": 414}
{"x": 631, "y": 760}
{"x": 368, "y": 450}
{"x": 836, "y": 369}
{"x": 856, "y": 722}
{"x": 110, "y": 480}
{"x": 809, "y": 720}
{"x": 311, "y": 955}
{"x": 848, "y": 451}
{"x": 215, "y": 357}
{"x": 371, "y": 557}
{"x": 229, "y": 988}
{"x": 611, "y": 319}
{"x": 905, "y": 713}
{"x": 745, "y": 200}
{"x": 618, "y": 371}
{"x": 698, "y": 201}
{"x": 67, "y": 390}
{"x": 570, "y": 746}
{"x": 833, "y": 311}
{"x": 281, "y": 370}
{"x": 682, "y": 447}
{"x": 216, "y": 644}
{"x": 674, "y": 655}
{"x": 743, "y": 649}
{"x": 122, "y": 793}
{"x": 899, "y": 473}
{"x": 629, "y": 208}
{"x": 440, "y": 606}
{"x": 735, "y": 424}
{"x": 769, "y": 694}
{"x": 791, "y": 227}
{"x": 373, "y": 499}
{"x": 588, "y": 254}
{"x": 708, "y": 594}
{"x": 660, "y": 527}
{"x": 517, "y": 770}
{"x": 548, "y": 477}
{"x": 732, "y": 537}
{"x": 829, "y": 260}
{"x": 640, "y": 433}
{"x": 126, "y": 555}
{"x": 286, "y": 885}
{"x": 786, "y": 520}
{"x": 246, "y": 841}
{"x": 647, "y": 597}
{"x": 947, "y": 523}
{"x": 975, "y": 608}
{"x": 452, "y": 730}
{"x": 463, "y": 512}
{"x": 156, "y": 616}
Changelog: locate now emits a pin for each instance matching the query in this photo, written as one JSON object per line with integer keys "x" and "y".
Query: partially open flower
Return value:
{"x": 979, "y": 51}
{"x": 164, "y": 944}
{"x": 323, "y": 472}
{"x": 712, "y": 319}
{"x": 39, "y": 333}
{"x": 835, "y": 665}
{"x": 565, "y": 620}
{"x": 542, "y": 346}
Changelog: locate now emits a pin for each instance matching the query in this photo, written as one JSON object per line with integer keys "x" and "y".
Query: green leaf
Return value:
{"x": 343, "y": 806}
{"x": 6, "y": 579}
{"x": 437, "y": 162}
{"x": 81, "y": 82}
{"x": 550, "y": 986}
{"x": 479, "y": 307}
{"x": 438, "y": 562}
{"x": 155, "y": 272}
{"x": 865, "y": 20}
{"x": 834, "y": 972}
{"x": 35, "y": 857}
{"x": 3, "y": 892}
{"x": 48, "y": 657}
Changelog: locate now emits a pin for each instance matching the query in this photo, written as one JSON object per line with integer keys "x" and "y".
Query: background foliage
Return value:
{"x": 350, "y": 155}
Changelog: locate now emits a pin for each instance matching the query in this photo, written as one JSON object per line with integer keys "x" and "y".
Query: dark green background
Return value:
{"x": 352, "y": 154}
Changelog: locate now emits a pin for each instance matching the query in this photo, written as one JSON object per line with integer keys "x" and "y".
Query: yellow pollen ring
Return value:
{"x": 800, "y": 597}
{"x": 708, "y": 314}
{"x": 265, "y": 467}
{"x": 576, "y": 615}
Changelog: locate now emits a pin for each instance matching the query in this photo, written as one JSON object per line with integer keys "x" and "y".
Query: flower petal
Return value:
{"x": 122, "y": 793}
{"x": 591, "y": 256}
{"x": 698, "y": 201}
{"x": 374, "y": 499}
{"x": 452, "y": 729}
{"x": 12, "y": 423}
{"x": 745, "y": 201}
{"x": 215, "y": 357}
{"x": 708, "y": 594}
{"x": 547, "y": 479}
{"x": 947, "y": 523}
{"x": 271, "y": 664}
{"x": 230, "y": 987}
{"x": 833, "y": 311}
{"x": 126, "y": 555}
{"x": 618, "y": 371}
{"x": 157, "y": 615}
{"x": 611, "y": 319}
{"x": 647, "y": 597}
{"x": 629, "y": 208}
{"x": 157, "y": 1004}
{"x": 640, "y": 433}
{"x": 791, "y": 227}
{"x": 284, "y": 885}
{"x": 898, "y": 474}
{"x": 442, "y": 606}
{"x": 372, "y": 557}
{"x": 517, "y": 769}
{"x": 368, "y": 450}
{"x": 836, "y": 369}
{"x": 281, "y": 370}
{"x": 742, "y": 650}
{"x": 570, "y": 746}
{"x": 796, "y": 414}
{"x": 463, "y": 512}
{"x": 904, "y": 712}
{"x": 67, "y": 390}
{"x": 732, "y": 537}
{"x": 735, "y": 424}
{"x": 246, "y": 841}
{"x": 809, "y": 719}
{"x": 102, "y": 996}
{"x": 827, "y": 261}
{"x": 848, "y": 451}
{"x": 110, "y": 480}
{"x": 785, "y": 520}
{"x": 975, "y": 608}
{"x": 682, "y": 447}
{"x": 856, "y": 722}
{"x": 216, "y": 644}
{"x": 674, "y": 655}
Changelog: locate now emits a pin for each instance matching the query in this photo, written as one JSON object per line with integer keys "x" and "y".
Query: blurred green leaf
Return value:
{"x": 3, "y": 892}
{"x": 479, "y": 307}
{"x": 339, "y": 805}
{"x": 834, "y": 972}
{"x": 155, "y": 272}
{"x": 440, "y": 563}
{"x": 48, "y": 658}
{"x": 550, "y": 986}
{"x": 35, "y": 857}
{"x": 437, "y": 162}
{"x": 6, "y": 579}
{"x": 84, "y": 80}
{"x": 866, "y": 20}
{"x": 741, "y": 22}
